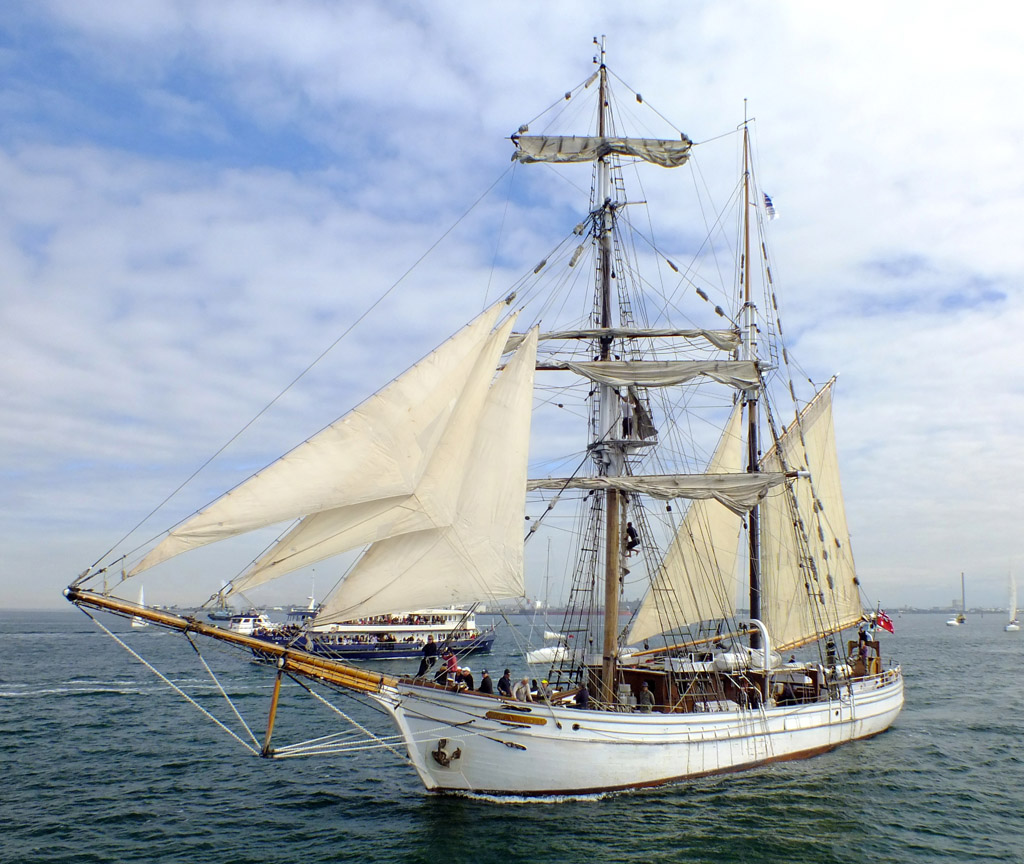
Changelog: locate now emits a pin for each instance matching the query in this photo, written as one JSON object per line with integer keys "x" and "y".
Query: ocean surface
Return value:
{"x": 103, "y": 762}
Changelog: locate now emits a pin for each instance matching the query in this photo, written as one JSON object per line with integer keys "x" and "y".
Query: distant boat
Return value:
{"x": 1013, "y": 624}
{"x": 221, "y": 612}
{"x": 137, "y": 622}
{"x": 959, "y": 618}
{"x": 378, "y": 637}
{"x": 250, "y": 622}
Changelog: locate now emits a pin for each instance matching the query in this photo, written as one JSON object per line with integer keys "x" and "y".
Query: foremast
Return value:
{"x": 609, "y": 454}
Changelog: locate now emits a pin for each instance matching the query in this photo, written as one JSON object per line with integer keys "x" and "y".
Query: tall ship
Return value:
{"x": 631, "y": 398}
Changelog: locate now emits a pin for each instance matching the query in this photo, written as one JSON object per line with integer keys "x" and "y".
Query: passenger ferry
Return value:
{"x": 380, "y": 637}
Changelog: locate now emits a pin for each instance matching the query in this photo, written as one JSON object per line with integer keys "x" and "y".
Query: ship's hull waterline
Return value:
{"x": 495, "y": 748}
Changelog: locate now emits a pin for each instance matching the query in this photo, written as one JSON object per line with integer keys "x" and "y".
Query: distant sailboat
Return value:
{"x": 1013, "y": 624}
{"x": 959, "y": 618}
{"x": 138, "y": 622}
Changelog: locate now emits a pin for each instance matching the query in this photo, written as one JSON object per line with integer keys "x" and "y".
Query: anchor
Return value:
{"x": 442, "y": 756}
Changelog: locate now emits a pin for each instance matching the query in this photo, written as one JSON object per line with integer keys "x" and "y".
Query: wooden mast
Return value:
{"x": 611, "y": 462}
{"x": 750, "y": 398}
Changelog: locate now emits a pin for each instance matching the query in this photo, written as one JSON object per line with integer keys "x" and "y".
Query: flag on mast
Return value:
{"x": 885, "y": 622}
{"x": 769, "y": 208}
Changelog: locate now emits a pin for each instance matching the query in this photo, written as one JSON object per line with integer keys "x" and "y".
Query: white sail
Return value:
{"x": 373, "y": 456}
{"x": 476, "y": 551}
{"x": 138, "y": 622}
{"x": 738, "y": 492}
{"x": 697, "y": 581}
{"x": 741, "y": 374}
{"x": 798, "y": 603}
{"x": 424, "y": 506}
{"x": 573, "y": 148}
{"x": 1013, "y": 598}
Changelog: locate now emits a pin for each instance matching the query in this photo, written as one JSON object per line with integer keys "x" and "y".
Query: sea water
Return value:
{"x": 102, "y": 761}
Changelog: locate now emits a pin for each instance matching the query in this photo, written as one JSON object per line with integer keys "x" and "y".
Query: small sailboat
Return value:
{"x": 1013, "y": 624}
{"x": 694, "y": 461}
{"x": 138, "y": 622}
{"x": 960, "y": 617}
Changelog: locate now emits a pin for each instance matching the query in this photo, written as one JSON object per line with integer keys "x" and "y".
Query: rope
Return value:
{"x": 221, "y": 689}
{"x": 172, "y": 685}
{"x": 380, "y": 742}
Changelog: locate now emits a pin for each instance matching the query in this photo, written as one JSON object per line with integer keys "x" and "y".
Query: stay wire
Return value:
{"x": 170, "y": 683}
{"x": 223, "y": 693}
{"x": 370, "y": 736}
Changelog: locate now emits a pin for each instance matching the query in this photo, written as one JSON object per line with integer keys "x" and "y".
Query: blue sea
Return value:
{"x": 103, "y": 762}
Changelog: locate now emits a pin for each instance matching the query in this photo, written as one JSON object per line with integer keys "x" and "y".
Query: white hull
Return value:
{"x": 578, "y": 752}
{"x": 1012, "y": 627}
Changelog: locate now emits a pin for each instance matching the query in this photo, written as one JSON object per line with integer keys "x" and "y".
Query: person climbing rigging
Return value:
{"x": 632, "y": 539}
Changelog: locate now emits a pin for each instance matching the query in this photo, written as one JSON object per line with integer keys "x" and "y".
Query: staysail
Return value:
{"x": 476, "y": 548}
{"x": 372, "y": 458}
{"x": 805, "y": 521}
{"x": 697, "y": 581}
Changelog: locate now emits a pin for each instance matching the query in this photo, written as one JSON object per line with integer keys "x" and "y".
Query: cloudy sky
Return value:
{"x": 199, "y": 198}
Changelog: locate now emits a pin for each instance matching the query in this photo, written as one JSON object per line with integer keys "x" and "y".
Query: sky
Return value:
{"x": 199, "y": 198}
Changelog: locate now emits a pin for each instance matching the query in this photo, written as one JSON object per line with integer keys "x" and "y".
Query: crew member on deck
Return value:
{"x": 645, "y": 701}
{"x": 505, "y": 685}
{"x": 583, "y": 697}
{"x": 486, "y": 684}
{"x": 521, "y": 692}
{"x": 429, "y": 656}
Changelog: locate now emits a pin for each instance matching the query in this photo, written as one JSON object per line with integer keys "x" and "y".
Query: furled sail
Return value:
{"x": 697, "y": 580}
{"x": 738, "y": 492}
{"x": 726, "y": 340}
{"x": 806, "y": 522}
{"x": 573, "y": 148}
{"x": 476, "y": 550}
{"x": 741, "y": 374}
{"x": 371, "y": 458}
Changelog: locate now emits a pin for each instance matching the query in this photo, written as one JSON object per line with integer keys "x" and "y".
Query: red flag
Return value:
{"x": 885, "y": 622}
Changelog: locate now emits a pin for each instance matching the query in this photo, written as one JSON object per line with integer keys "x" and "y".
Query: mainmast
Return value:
{"x": 750, "y": 397}
{"x": 611, "y": 456}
